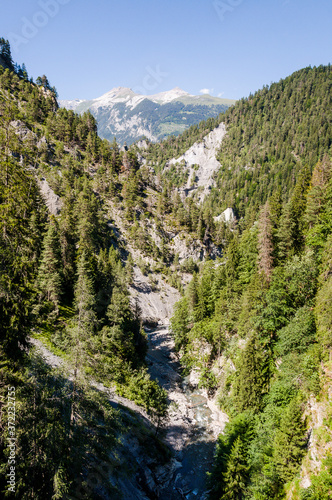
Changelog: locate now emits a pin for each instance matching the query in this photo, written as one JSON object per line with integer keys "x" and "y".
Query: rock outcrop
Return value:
{"x": 53, "y": 202}
{"x": 201, "y": 163}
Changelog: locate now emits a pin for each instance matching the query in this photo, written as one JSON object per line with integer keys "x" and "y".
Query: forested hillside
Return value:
{"x": 271, "y": 136}
{"x": 87, "y": 230}
{"x": 256, "y": 323}
{"x": 64, "y": 280}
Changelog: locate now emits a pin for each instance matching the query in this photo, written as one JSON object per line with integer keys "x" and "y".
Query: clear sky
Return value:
{"x": 227, "y": 47}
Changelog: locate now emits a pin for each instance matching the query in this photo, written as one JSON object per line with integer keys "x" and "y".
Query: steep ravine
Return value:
{"x": 193, "y": 425}
{"x": 191, "y": 430}
{"x": 194, "y": 420}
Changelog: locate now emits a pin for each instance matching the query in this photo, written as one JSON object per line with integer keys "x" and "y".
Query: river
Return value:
{"x": 194, "y": 421}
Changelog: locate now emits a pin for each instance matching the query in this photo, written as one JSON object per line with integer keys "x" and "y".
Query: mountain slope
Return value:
{"x": 253, "y": 327}
{"x": 128, "y": 116}
{"x": 81, "y": 277}
{"x": 271, "y": 135}
{"x": 256, "y": 324}
{"x": 199, "y": 163}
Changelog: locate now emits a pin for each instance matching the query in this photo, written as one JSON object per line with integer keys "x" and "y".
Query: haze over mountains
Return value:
{"x": 129, "y": 116}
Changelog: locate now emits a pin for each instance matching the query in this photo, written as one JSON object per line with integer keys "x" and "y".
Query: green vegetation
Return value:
{"x": 259, "y": 318}
{"x": 271, "y": 135}
{"x": 63, "y": 279}
{"x": 256, "y": 321}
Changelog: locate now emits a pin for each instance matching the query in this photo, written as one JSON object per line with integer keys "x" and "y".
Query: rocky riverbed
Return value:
{"x": 194, "y": 421}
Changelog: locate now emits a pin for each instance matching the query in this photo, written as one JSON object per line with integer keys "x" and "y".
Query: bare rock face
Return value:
{"x": 193, "y": 249}
{"x": 164, "y": 474}
{"x": 201, "y": 163}
{"x": 22, "y": 131}
{"x": 226, "y": 216}
{"x": 156, "y": 303}
{"x": 53, "y": 202}
{"x": 42, "y": 143}
{"x": 142, "y": 144}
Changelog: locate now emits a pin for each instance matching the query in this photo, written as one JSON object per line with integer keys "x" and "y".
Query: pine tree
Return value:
{"x": 118, "y": 311}
{"x": 231, "y": 268}
{"x": 192, "y": 294}
{"x": 115, "y": 156}
{"x": 85, "y": 300}
{"x": 5, "y": 53}
{"x": 89, "y": 230}
{"x": 316, "y": 202}
{"x": 289, "y": 442}
{"x": 67, "y": 244}
{"x": 236, "y": 475}
{"x": 49, "y": 274}
{"x": 252, "y": 377}
{"x": 179, "y": 323}
{"x": 21, "y": 219}
{"x": 298, "y": 204}
{"x": 319, "y": 180}
{"x": 323, "y": 307}
{"x": 80, "y": 334}
{"x": 285, "y": 235}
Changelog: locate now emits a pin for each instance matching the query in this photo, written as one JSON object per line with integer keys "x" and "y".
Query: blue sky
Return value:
{"x": 227, "y": 47}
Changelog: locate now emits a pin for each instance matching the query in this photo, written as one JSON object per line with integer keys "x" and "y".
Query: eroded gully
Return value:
{"x": 194, "y": 421}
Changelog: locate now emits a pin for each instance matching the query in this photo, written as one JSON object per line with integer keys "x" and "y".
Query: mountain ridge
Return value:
{"x": 129, "y": 116}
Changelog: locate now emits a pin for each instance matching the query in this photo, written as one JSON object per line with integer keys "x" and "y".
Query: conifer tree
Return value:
{"x": 179, "y": 323}
{"x": 298, "y": 204}
{"x": 285, "y": 235}
{"x": 323, "y": 307}
{"x": 67, "y": 243}
{"x": 89, "y": 230}
{"x": 252, "y": 377}
{"x": 236, "y": 474}
{"x": 192, "y": 294}
{"x": 115, "y": 156}
{"x": 289, "y": 442}
{"x": 231, "y": 268}
{"x": 49, "y": 273}
{"x": 317, "y": 200}
{"x": 82, "y": 330}
{"x": 85, "y": 300}
{"x": 118, "y": 311}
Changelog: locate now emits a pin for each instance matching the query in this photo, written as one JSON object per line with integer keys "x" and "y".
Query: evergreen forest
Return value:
{"x": 82, "y": 218}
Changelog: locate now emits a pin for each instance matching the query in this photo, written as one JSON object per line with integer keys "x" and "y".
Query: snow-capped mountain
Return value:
{"x": 128, "y": 116}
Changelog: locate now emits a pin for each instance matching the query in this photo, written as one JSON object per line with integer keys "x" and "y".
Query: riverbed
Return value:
{"x": 194, "y": 421}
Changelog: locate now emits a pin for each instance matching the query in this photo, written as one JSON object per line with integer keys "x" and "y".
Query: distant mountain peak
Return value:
{"x": 116, "y": 94}
{"x": 169, "y": 95}
{"x": 128, "y": 116}
{"x": 119, "y": 91}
